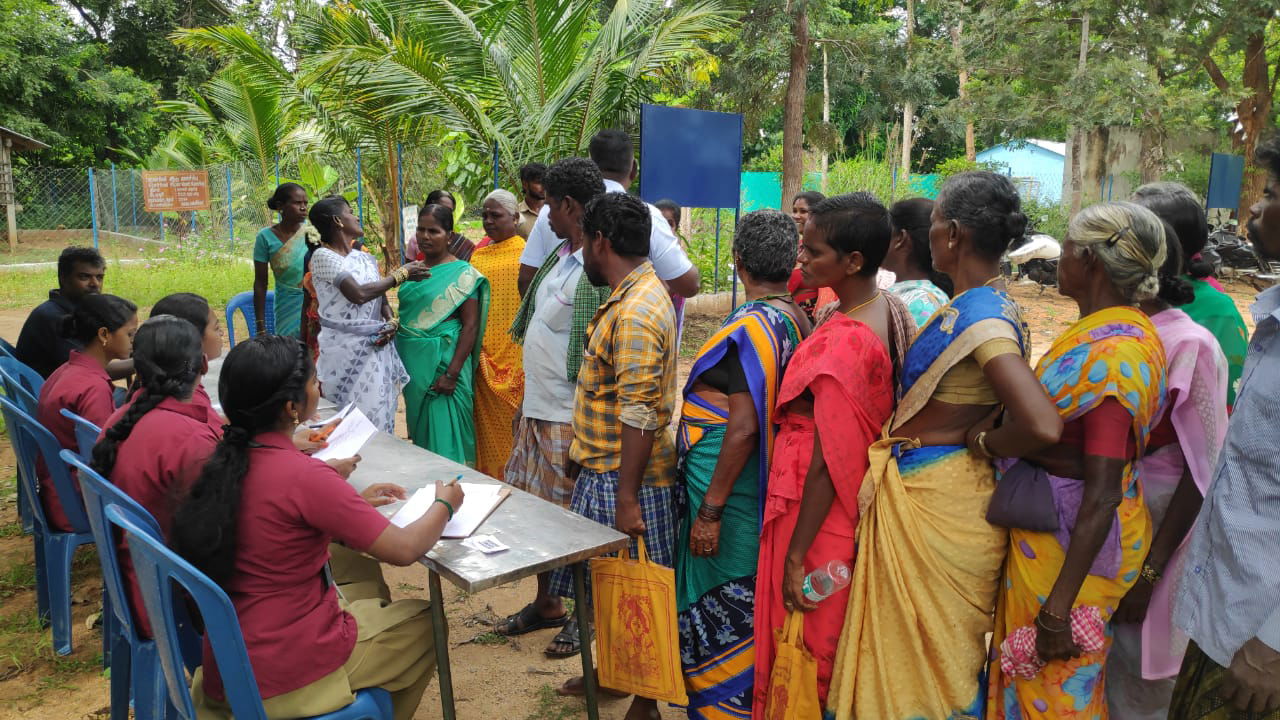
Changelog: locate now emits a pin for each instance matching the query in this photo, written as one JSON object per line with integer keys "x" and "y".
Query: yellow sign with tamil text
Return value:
{"x": 175, "y": 190}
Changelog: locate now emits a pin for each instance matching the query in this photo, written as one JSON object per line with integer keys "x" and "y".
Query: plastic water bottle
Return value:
{"x": 826, "y": 581}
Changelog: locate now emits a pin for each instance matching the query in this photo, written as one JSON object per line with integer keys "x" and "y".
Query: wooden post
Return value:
{"x": 9, "y": 194}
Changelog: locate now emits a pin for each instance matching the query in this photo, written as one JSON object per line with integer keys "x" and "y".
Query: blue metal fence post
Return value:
{"x": 193, "y": 222}
{"x": 359, "y": 190}
{"x": 733, "y": 298}
{"x": 115, "y": 204}
{"x": 404, "y": 253}
{"x": 231, "y": 213}
{"x": 715, "y": 285}
{"x": 495, "y": 164}
{"x": 133, "y": 199}
{"x": 93, "y": 208}
{"x": 277, "y": 171}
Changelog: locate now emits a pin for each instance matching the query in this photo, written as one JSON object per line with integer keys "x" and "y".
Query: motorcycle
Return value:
{"x": 1036, "y": 258}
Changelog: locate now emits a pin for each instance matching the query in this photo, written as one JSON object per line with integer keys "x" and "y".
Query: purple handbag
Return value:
{"x": 1023, "y": 499}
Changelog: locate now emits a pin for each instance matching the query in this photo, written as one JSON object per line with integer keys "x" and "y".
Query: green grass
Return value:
{"x": 490, "y": 638}
{"x": 550, "y": 706}
{"x": 201, "y": 267}
{"x": 16, "y": 578}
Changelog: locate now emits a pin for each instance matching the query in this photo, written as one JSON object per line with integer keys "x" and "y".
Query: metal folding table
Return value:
{"x": 541, "y": 536}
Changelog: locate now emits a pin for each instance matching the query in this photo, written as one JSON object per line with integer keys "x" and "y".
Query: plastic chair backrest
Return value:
{"x": 7, "y": 349}
{"x": 32, "y": 440}
{"x": 86, "y": 433}
{"x": 244, "y": 303}
{"x": 98, "y": 494}
{"x": 29, "y": 403}
{"x": 158, "y": 568}
{"x": 20, "y": 378}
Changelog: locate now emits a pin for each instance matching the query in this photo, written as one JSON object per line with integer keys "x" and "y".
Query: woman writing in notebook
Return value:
{"x": 259, "y": 521}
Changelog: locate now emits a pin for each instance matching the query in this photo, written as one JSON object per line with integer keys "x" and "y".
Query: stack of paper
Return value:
{"x": 479, "y": 500}
{"x": 348, "y": 437}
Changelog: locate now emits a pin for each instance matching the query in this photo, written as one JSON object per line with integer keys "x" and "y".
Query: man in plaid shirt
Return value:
{"x": 626, "y": 394}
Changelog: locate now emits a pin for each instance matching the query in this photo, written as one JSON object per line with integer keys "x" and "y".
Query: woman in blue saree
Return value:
{"x": 928, "y": 563}
{"x": 282, "y": 248}
{"x": 724, "y": 440}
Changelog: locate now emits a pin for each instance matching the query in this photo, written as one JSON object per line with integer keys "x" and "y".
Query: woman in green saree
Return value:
{"x": 282, "y": 247}
{"x": 441, "y": 320}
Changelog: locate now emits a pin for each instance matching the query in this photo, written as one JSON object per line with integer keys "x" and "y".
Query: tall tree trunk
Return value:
{"x": 1077, "y": 134}
{"x": 826, "y": 114}
{"x": 908, "y": 107}
{"x": 793, "y": 110}
{"x": 970, "y": 144}
{"x": 1152, "y": 161}
{"x": 1253, "y": 112}
{"x": 391, "y": 214}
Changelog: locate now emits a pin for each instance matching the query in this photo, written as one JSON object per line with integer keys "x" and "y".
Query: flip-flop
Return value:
{"x": 527, "y": 621}
{"x": 568, "y": 636}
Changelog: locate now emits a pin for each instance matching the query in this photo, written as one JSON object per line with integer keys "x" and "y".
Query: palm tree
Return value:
{"x": 536, "y": 78}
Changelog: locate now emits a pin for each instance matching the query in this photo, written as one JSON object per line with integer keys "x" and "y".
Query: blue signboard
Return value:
{"x": 693, "y": 157}
{"x": 1226, "y": 174}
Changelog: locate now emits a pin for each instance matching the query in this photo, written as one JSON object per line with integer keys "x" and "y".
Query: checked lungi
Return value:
{"x": 595, "y": 497}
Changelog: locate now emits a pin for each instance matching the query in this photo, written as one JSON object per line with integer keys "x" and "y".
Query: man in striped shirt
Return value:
{"x": 1227, "y": 601}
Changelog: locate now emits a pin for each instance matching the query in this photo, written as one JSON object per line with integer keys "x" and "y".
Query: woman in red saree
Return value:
{"x": 839, "y": 387}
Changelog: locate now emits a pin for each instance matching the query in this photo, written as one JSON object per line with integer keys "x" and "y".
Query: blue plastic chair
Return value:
{"x": 7, "y": 349}
{"x": 135, "y": 670}
{"x": 244, "y": 303}
{"x": 158, "y": 568}
{"x": 86, "y": 437}
{"x": 23, "y": 376}
{"x": 54, "y": 549}
{"x": 86, "y": 434}
{"x": 29, "y": 403}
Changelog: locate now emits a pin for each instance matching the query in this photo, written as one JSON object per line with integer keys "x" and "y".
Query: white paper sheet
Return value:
{"x": 346, "y": 440}
{"x": 478, "y": 501}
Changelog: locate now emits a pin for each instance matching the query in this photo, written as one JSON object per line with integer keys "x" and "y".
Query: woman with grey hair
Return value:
{"x": 726, "y": 431}
{"x": 1077, "y": 550}
{"x": 500, "y": 381}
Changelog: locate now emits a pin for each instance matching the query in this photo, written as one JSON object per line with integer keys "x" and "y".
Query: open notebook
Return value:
{"x": 479, "y": 501}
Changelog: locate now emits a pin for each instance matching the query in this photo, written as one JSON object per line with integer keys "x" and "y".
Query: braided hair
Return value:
{"x": 258, "y": 377}
{"x": 168, "y": 356}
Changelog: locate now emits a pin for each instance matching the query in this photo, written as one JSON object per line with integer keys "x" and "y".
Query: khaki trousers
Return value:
{"x": 394, "y": 651}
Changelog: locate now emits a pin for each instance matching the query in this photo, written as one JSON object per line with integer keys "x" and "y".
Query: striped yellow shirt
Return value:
{"x": 628, "y": 376}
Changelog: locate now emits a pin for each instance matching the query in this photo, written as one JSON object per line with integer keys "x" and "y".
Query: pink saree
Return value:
{"x": 1197, "y": 387}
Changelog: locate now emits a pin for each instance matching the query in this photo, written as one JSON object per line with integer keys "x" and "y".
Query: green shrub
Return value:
{"x": 959, "y": 164}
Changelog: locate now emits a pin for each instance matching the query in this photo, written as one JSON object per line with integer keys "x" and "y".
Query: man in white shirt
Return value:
{"x": 613, "y": 154}
{"x": 551, "y": 325}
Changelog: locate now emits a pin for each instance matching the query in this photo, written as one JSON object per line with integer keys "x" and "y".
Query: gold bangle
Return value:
{"x": 981, "y": 442}
{"x": 1059, "y": 618}
{"x": 1149, "y": 574}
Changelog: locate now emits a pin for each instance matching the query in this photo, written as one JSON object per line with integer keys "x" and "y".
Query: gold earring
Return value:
{"x": 951, "y": 245}
{"x": 104, "y": 342}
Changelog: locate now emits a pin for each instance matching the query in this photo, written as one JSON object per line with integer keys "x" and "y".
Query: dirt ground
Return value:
{"x": 493, "y": 677}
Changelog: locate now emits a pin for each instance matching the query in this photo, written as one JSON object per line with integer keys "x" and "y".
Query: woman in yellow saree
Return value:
{"x": 500, "y": 376}
{"x": 928, "y": 562}
{"x": 1106, "y": 374}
